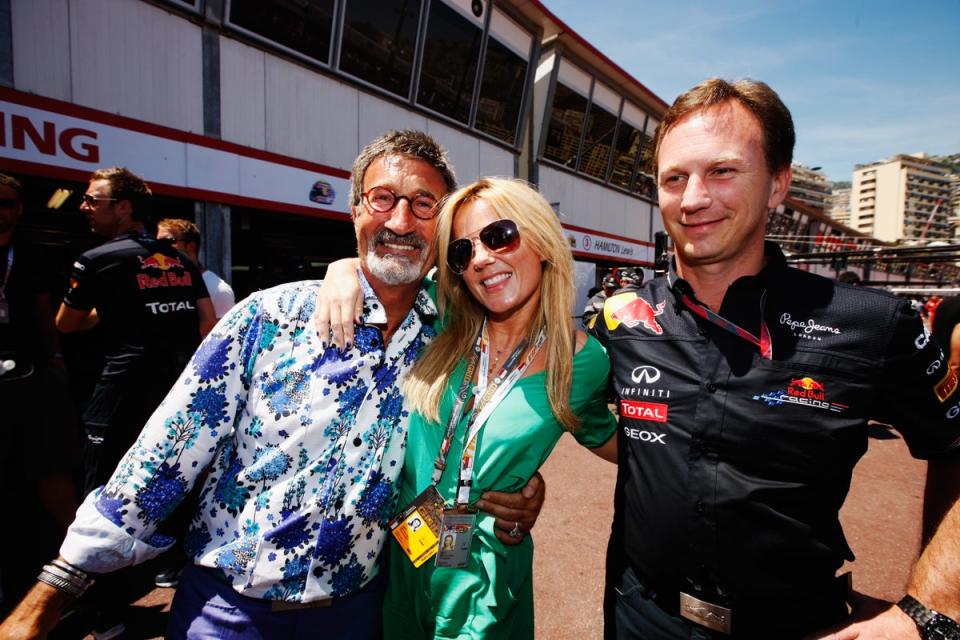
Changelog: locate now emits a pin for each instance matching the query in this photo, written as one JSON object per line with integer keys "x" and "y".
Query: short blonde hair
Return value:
{"x": 540, "y": 231}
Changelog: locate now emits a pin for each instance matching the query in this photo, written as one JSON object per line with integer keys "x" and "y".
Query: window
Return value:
{"x": 504, "y": 78}
{"x": 600, "y": 127}
{"x": 379, "y": 40}
{"x": 646, "y": 183}
{"x": 303, "y": 26}
{"x": 450, "y": 55}
{"x": 627, "y": 145}
{"x": 566, "y": 125}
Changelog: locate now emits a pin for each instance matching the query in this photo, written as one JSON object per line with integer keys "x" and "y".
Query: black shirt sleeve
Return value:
{"x": 916, "y": 390}
{"x": 80, "y": 294}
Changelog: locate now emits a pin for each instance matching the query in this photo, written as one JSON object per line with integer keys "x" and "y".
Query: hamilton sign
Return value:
{"x": 596, "y": 244}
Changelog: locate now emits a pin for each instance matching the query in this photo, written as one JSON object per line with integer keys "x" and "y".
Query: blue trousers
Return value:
{"x": 639, "y": 618}
{"x": 204, "y": 607}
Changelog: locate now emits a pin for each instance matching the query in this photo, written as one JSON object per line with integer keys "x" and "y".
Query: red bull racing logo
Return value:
{"x": 803, "y": 391}
{"x": 805, "y": 388}
{"x": 632, "y": 311}
{"x": 160, "y": 261}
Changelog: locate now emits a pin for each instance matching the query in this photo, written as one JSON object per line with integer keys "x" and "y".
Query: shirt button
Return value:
{"x": 699, "y": 506}
{"x": 357, "y": 441}
{"x": 711, "y": 387}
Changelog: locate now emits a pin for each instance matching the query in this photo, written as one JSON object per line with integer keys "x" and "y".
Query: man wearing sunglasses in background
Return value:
{"x": 153, "y": 307}
{"x": 303, "y": 442}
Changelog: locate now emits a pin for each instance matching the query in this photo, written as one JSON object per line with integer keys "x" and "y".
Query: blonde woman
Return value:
{"x": 491, "y": 396}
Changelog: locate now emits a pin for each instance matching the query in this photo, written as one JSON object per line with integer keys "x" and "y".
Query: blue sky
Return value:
{"x": 864, "y": 80}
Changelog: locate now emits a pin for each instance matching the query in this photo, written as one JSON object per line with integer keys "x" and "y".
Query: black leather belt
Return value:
{"x": 811, "y": 606}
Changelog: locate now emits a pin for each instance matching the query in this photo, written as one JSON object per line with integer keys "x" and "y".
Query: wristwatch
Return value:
{"x": 932, "y": 625}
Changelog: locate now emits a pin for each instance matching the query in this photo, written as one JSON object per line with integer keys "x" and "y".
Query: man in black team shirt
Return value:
{"x": 744, "y": 389}
{"x": 154, "y": 308}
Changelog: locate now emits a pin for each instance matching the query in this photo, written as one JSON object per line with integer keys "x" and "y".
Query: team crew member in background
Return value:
{"x": 744, "y": 388}
{"x": 186, "y": 238}
{"x": 153, "y": 308}
{"x": 303, "y": 441}
{"x": 595, "y": 303}
{"x": 38, "y": 442}
{"x": 630, "y": 280}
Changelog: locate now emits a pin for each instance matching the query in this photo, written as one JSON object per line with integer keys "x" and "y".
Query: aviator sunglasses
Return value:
{"x": 500, "y": 236}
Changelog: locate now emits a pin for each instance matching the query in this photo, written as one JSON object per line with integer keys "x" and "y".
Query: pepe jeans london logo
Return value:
{"x": 807, "y": 329}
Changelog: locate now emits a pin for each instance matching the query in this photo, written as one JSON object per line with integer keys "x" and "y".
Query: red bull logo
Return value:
{"x": 632, "y": 311}
{"x": 806, "y": 387}
{"x": 160, "y": 261}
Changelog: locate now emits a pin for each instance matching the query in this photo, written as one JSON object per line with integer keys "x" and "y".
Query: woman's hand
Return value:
{"x": 339, "y": 302}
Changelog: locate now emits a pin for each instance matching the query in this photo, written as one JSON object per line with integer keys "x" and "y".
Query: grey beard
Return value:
{"x": 391, "y": 269}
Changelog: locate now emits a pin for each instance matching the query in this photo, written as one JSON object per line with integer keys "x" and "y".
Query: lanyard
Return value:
{"x": 763, "y": 342}
{"x": 6, "y": 274}
{"x": 491, "y": 394}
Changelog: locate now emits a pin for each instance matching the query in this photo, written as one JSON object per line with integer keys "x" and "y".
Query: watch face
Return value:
{"x": 941, "y": 627}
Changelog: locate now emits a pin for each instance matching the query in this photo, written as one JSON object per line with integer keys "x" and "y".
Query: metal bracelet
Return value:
{"x": 65, "y": 575}
{"x": 60, "y": 584}
{"x": 69, "y": 568}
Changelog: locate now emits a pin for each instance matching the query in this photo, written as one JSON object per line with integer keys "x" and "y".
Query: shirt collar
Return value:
{"x": 776, "y": 264}
{"x": 375, "y": 313}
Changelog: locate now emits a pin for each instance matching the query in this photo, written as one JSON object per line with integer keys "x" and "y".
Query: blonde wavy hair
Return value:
{"x": 540, "y": 231}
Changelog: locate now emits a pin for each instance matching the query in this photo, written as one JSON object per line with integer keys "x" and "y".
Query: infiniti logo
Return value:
{"x": 645, "y": 373}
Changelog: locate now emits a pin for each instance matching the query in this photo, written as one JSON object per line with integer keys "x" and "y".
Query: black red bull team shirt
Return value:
{"x": 733, "y": 467}
{"x": 145, "y": 293}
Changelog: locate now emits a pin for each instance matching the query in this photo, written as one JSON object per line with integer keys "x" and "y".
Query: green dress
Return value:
{"x": 492, "y": 597}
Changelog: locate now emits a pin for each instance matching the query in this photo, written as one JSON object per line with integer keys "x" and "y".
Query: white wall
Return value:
{"x": 243, "y": 118}
{"x": 272, "y": 104}
{"x": 585, "y": 203}
{"x": 41, "y": 65}
{"x": 136, "y": 60}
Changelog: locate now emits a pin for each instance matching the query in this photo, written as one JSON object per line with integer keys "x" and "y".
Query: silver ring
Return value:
{"x": 515, "y": 532}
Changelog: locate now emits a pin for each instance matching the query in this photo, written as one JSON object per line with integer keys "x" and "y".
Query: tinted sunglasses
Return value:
{"x": 500, "y": 236}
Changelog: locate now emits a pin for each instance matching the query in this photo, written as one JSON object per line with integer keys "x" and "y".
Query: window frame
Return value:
{"x": 273, "y": 44}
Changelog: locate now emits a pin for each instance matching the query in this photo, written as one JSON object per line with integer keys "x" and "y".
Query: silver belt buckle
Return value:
{"x": 712, "y": 616}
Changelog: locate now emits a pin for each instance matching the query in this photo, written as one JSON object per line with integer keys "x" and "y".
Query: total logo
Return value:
{"x": 649, "y": 411}
{"x": 158, "y": 308}
{"x": 805, "y": 392}
{"x": 636, "y": 410}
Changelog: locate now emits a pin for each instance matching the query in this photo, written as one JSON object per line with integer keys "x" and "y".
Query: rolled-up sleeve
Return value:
{"x": 116, "y": 524}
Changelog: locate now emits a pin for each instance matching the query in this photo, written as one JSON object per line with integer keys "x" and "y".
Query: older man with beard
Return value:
{"x": 303, "y": 441}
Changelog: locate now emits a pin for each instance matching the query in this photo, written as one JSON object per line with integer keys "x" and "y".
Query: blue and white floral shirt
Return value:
{"x": 304, "y": 444}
